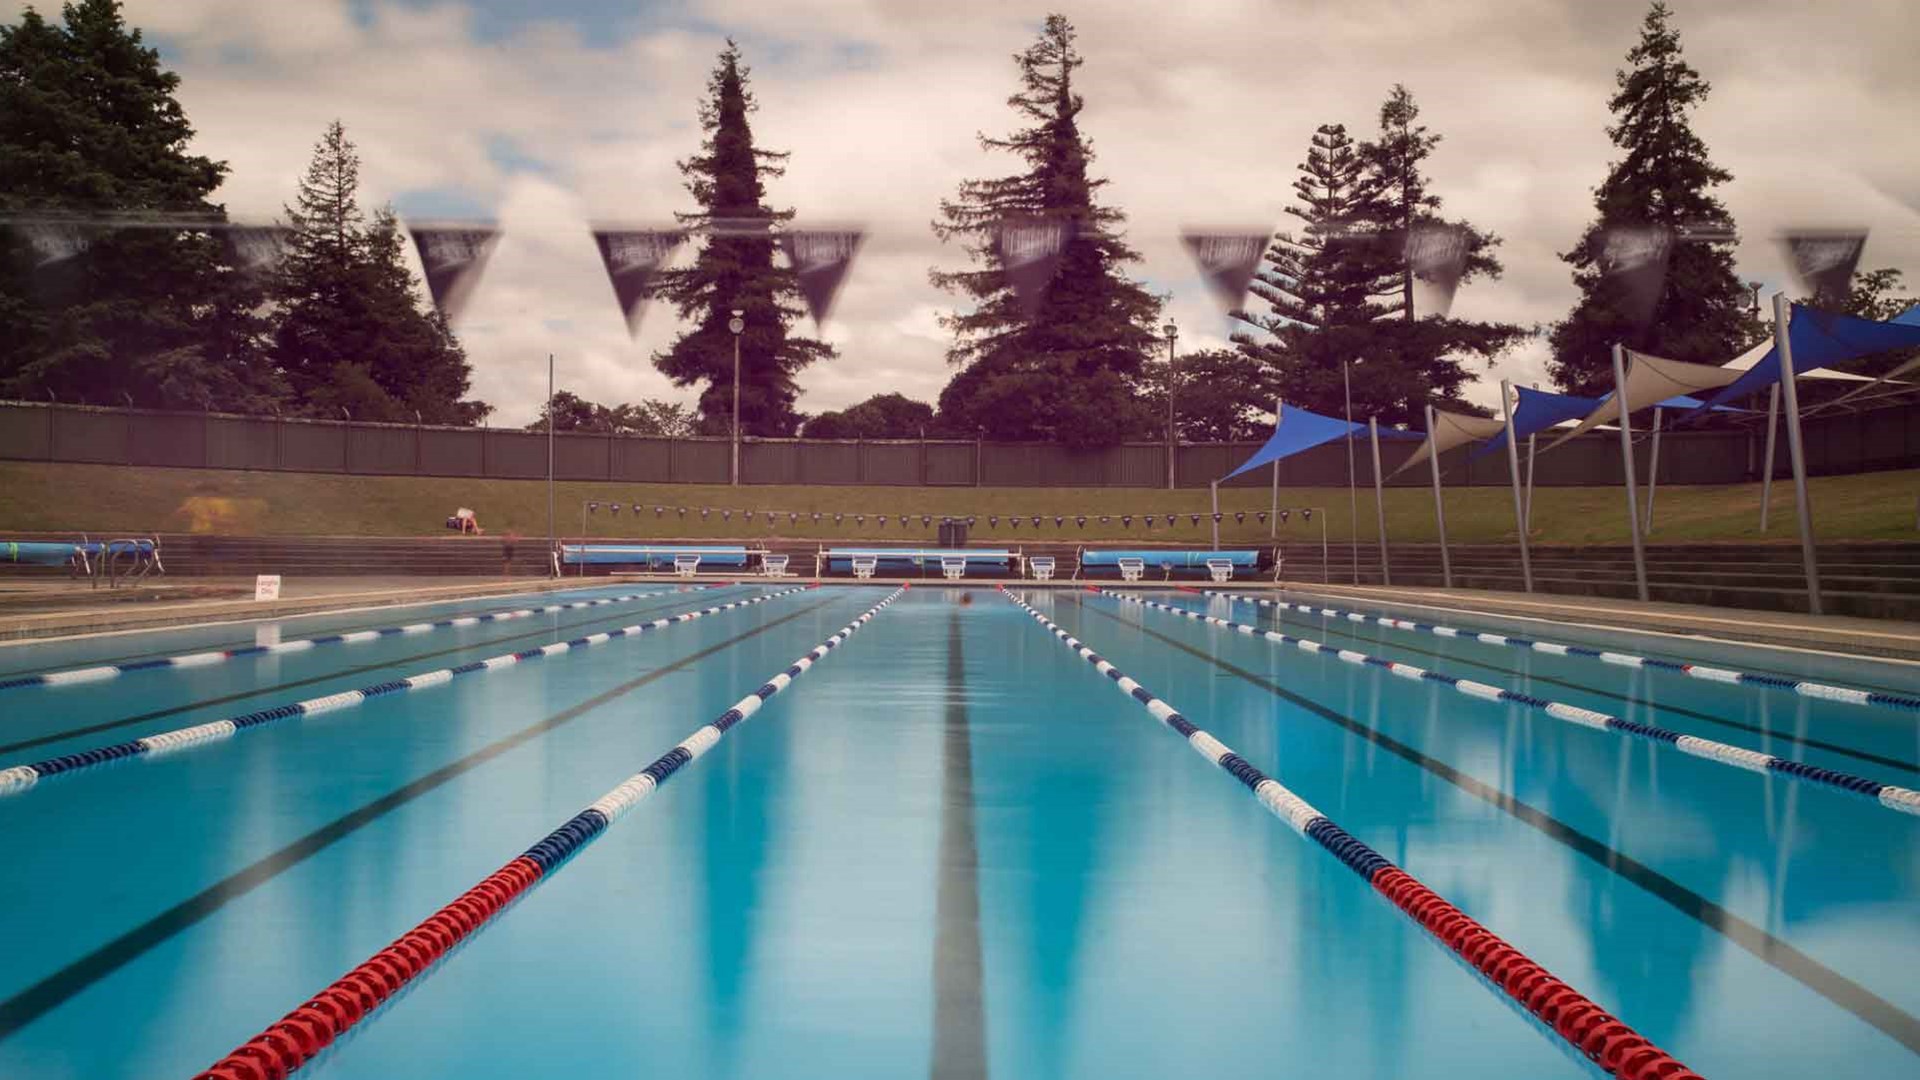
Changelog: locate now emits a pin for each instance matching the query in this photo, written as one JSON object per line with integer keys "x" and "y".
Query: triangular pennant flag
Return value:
{"x": 632, "y": 258}
{"x": 1637, "y": 255}
{"x": 1195, "y": 517}
{"x": 1437, "y": 256}
{"x": 1240, "y": 516}
{"x": 453, "y": 257}
{"x": 1030, "y": 250}
{"x": 1824, "y": 259}
{"x": 1149, "y": 521}
{"x": 1227, "y": 260}
{"x": 993, "y": 521}
{"x": 1036, "y": 521}
{"x": 1262, "y": 515}
{"x": 1014, "y": 522}
{"x": 859, "y": 519}
{"x": 1126, "y": 520}
{"x": 820, "y": 261}
{"x": 256, "y": 250}
{"x": 54, "y": 241}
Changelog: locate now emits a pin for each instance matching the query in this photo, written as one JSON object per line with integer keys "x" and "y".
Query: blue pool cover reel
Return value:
{"x": 1177, "y": 560}
{"x": 604, "y": 554}
{"x": 916, "y": 557}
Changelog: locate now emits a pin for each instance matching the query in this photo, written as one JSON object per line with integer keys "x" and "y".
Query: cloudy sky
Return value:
{"x": 544, "y": 114}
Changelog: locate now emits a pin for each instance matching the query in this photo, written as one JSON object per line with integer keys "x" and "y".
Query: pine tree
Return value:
{"x": 353, "y": 333}
{"x": 91, "y": 132}
{"x": 1665, "y": 179}
{"x": 735, "y": 269}
{"x": 1070, "y": 371}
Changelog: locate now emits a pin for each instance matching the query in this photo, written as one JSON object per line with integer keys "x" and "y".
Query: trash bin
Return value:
{"x": 953, "y": 534}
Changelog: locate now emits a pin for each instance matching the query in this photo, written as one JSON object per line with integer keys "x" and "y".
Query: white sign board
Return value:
{"x": 266, "y": 587}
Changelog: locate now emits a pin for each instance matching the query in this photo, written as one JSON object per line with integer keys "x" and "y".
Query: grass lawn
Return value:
{"x": 101, "y": 499}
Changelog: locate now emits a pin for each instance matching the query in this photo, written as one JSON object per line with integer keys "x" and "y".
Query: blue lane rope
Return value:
{"x": 73, "y": 676}
{"x": 21, "y": 777}
{"x": 1805, "y": 687}
{"x": 1904, "y": 800}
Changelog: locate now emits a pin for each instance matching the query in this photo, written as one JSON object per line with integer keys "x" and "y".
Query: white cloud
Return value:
{"x": 1199, "y": 112}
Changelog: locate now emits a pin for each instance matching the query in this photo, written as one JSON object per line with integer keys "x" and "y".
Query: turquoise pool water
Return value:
{"x": 949, "y": 849}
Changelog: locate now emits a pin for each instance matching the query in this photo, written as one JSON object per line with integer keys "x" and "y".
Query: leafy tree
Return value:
{"x": 91, "y": 135}
{"x": 1873, "y": 294}
{"x": 882, "y": 416}
{"x": 1664, "y": 179}
{"x": 1219, "y": 395}
{"x": 655, "y": 418}
{"x": 352, "y": 333}
{"x": 1068, "y": 371}
{"x": 735, "y": 269}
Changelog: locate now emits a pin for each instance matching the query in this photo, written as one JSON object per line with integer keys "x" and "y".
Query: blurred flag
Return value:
{"x": 632, "y": 258}
{"x": 1637, "y": 256}
{"x": 820, "y": 260}
{"x": 453, "y": 256}
{"x": 1437, "y": 256}
{"x": 1227, "y": 260}
{"x": 1030, "y": 250}
{"x": 1824, "y": 260}
{"x": 256, "y": 250}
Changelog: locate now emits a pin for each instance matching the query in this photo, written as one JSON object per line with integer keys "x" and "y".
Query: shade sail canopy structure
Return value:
{"x": 1451, "y": 430}
{"x": 1539, "y": 410}
{"x": 1753, "y": 357}
{"x": 1820, "y": 338}
{"x": 1296, "y": 429}
{"x": 1652, "y": 380}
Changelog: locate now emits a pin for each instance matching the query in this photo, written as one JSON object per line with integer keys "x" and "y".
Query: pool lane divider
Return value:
{"x": 21, "y": 777}
{"x": 298, "y": 1037}
{"x": 1804, "y": 687}
{"x": 1904, "y": 800}
{"x": 1604, "y": 1039}
{"x": 97, "y": 673}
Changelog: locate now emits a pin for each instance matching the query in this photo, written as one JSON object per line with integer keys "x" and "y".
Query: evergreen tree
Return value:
{"x": 1220, "y": 395}
{"x": 352, "y": 332}
{"x": 735, "y": 269}
{"x": 1664, "y": 179}
{"x": 1069, "y": 371}
{"x": 882, "y": 416}
{"x": 91, "y": 134}
{"x": 660, "y": 419}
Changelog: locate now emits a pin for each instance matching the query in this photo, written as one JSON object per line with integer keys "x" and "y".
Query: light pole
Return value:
{"x": 736, "y": 324}
{"x": 1173, "y": 333}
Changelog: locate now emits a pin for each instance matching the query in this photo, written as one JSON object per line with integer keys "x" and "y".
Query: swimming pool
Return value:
{"x": 945, "y": 846}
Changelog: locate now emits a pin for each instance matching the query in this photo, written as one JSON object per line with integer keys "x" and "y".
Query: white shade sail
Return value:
{"x": 1650, "y": 381}
{"x": 1451, "y": 430}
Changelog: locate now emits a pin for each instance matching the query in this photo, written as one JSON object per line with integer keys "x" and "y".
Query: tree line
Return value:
{"x": 89, "y": 124}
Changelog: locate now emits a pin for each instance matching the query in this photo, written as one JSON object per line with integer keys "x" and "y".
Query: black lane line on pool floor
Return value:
{"x": 1896, "y": 1023}
{"x": 227, "y": 699}
{"x": 1281, "y": 621}
{"x": 49, "y": 993}
{"x": 959, "y": 1008}
{"x": 374, "y": 617}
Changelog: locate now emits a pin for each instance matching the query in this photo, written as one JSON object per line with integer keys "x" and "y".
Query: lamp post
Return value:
{"x": 736, "y": 324}
{"x": 1172, "y": 332}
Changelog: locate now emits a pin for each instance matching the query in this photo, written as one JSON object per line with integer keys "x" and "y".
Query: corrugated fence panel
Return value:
{"x": 950, "y": 464}
{"x": 89, "y": 436}
{"x": 306, "y": 446}
{"x": 764, "y": 463}
{"x": 26, "y": 432}
{"x": 520, "y": 455}
{"x": 235, "y": 442}
{"x": 383, "y": 451}
{"x": 890, "y": 463}
{"x": 643, "y": 460}
{"x": 580, "y": 457}
{"x": 700, "y": 462}
{"x": 168, "y": 439}
{"x": 1135, "y": 465}
{"x": 825, "y": 462}
{"x": 452, "y": 453}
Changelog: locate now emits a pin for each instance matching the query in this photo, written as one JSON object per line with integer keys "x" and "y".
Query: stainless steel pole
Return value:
{"x": 1783, "y": 344}
{"x": 1766, "y": 465}
{"x": 551, "y": 528}
{"x": 1533, "y": 444}
{"x": 1379, "y": 500}
{"x": 735, "y": 470}
{"x": 1214, "y": 486}
{"x": 1439, "y": 507}
{"x": 1626, "y": 459}
{"x": 1273, "y": 511}
{"x": 1353, "y": 497}
{"x": 1653, "y": 474}
{"x": 1172, "y": 444}
{"x": 1513, "y": 472}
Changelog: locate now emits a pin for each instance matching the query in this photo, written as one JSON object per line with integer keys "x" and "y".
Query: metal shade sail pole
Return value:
{"x": 736, "y": 324}
{"x": 551, "y": 536}
{"x": 1439, "y": 507}
{"x": 1273, "y": 511}
{"x": 1783, "y": 344}
{"x": 1533, "y": 442}
{"x": 1766, "y": 466}
{"x": 1379, "y": 499}
{"x": 1513, "y": 473}
{"x": 1214, "y": 487}
{"x": 1353, "y": 497}
{"x": 1172, "y": 333}
{"x": 1626, "y": 460}
{"x": 1653, "y": 474}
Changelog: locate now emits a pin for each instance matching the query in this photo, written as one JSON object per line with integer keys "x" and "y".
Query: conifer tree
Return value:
{"x": 1069, "y": 368}
{"x": 735, "y": 268}
{"x": 1663, "y": 179}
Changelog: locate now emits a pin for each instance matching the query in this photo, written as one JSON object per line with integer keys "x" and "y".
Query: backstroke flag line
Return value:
{"x": 1637, "y": 256}
{"x": 453, "y": 257}
{"x": 820, "y": 258}
{"x": 1030, "y": 250}
{"x": 632, "y": 258}
{"x": 1227, "y": 260}
{"x": 1824, "y": 260}
{"x": 1437, "y": 255}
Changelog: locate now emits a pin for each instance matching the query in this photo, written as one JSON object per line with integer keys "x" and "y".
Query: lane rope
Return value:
{"x": 1903, "y": 800}
{"x": 296, "y": 1038}
{"x": 21, "y": 777}
{"x": 97, "y": 673}
{"x": 1574, "y": 1017}
{"x": 1805, "y": 687}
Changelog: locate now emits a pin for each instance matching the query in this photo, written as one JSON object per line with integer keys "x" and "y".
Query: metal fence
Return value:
{"x": 29, "y": 431}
